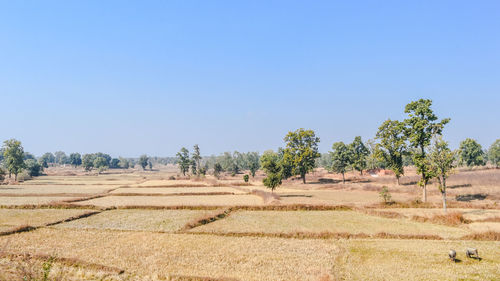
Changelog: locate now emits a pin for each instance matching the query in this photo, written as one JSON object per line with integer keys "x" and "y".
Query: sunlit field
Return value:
{"x": 147, "y": 225}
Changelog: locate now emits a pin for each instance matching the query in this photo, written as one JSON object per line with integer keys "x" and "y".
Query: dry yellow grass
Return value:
{"x": 172, "y": 183}
{"x": 470, "y": 214}
{"x": 36, "y": 217}
{"x": 195, "y": 200}
{"x": 53, "y": 189}
{"x": 158, "y": 254}
{"x": 145, "y": 220}
{"x": 324, "y": 221}
{"x": 113, "y": 179}
{"x": 415, "y": 260}
{"x": 336, "y": 197}
{"x": 28, "y": 200}
{"x": 484, "y": 226}
{"x": 177, "y": 190}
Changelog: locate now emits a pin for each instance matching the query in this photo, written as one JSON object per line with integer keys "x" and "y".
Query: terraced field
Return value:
{"x": 148, "y": 226}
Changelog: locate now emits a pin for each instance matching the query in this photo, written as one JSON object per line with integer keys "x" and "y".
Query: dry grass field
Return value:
{"x": 158, "y": 225}
{"x": 178, "y": 190}
{"x": 138, "y": 220}
{"x": 194, "y": 200}
{"x": 324, "y": 221}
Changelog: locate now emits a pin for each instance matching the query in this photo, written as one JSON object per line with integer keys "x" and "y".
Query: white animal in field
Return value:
{"x": 452, "y": 254}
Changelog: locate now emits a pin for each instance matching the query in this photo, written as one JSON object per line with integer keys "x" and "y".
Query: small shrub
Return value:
{"x": 171, "y": 178}
{"x": 386, "y": 195}
{"x": 246, "y": 178}
{"x": 233, "y": 174}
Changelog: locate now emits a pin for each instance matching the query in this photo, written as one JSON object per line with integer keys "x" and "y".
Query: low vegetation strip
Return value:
{"x": 172, "y": 194}
{"x": 323, "y": 235}
{"x": 486, "y": 236}
{"x": 49, "y": 206}
{"x": 220, "y": 214}
{"x": 452, "y": 219}
{"x": 195, "y": 278}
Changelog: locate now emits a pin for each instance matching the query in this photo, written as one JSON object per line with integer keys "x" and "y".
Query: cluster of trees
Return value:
{"x": 416, "y": 140}
{"x": 227, "y": 162}
{"x": 297, "y": 158}
{"x": 15, "y": 160}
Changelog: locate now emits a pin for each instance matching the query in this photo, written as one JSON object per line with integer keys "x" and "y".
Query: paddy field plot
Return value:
{"x": 388, "y": 259}
{"x": 470, "y": 214}
{"x": 163, "y": 254}
{"x": 194, "y": 200}
{"x": 31, "y": 200}
{"x": 46, "y": 190}
{"x": 324, "y": 221}
{"x": 177, "y": 190}
{"x": 11, "y": 218}
{"x": 136, "y": 219}
{"x": 335, "y": 197}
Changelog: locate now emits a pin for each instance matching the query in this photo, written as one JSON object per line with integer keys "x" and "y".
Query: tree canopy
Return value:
{"x": 13, "y": 153}
{"x": 301, "y": 151}
{"x": 421, "y": 126}
{"x": 184, "y": 160}
{"x": 341, "y": 158}
{"x": 359, "y": 154}
{"x": 270, "y": 164}
{"x": 471, "y": 153}
{"x": 392, "y": 146}
{"x": 494, "y": 153}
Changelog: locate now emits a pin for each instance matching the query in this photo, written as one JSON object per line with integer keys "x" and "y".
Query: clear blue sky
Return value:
{"x": 133, "y": 77}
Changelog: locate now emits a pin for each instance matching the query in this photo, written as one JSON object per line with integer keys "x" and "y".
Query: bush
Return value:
{"x": 2, "y": 174}
{"x": 386, "y": 195}
{"x": 245, "y": 178}
{"x": 33, "y": 167}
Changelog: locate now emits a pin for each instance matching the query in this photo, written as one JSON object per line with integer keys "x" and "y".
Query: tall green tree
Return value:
{"x": 217, "y": 169}
{"x": 88, "y": 161}
{"x": 471, "y": 153}
{"x": 143, "y": 161}
{"x": 302, "y": 150}
{"x": 442, "y": 161}
{"x": 494, "y": 153}
{"x": 253, "y": 162}
{"x": 421, "y": 126}
{"x": 13, "y": 154}
{"x": 196, "y": 158}
{"x": 75, "y": 159}
{"x": 48, "y": 158}
{"x": 342, "y": 158}
{"x": 184, "y": 160}
{"x": 392, "y": 146}
{"x": 271, "y": 165}
{"x": 60, "y": 157}
{"x": 124, "y": 163}
{"x": 360, "y": 152}
{"x": 101, "y": 164}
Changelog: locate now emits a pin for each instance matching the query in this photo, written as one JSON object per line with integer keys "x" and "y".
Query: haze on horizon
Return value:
{"x": 154, "y": 76}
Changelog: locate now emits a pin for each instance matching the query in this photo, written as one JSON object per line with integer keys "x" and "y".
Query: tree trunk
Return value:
{"x": 303, "y": 178}
{"x": 444, "y": 193}
{"x": 397, "y": 179}
{"x": 424, "y": 192}
{"x": 15, "y": 176}
{"x": 10, "y": 175}
{"x": 361, "y": 172}
{"x": 343, "y": 178}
